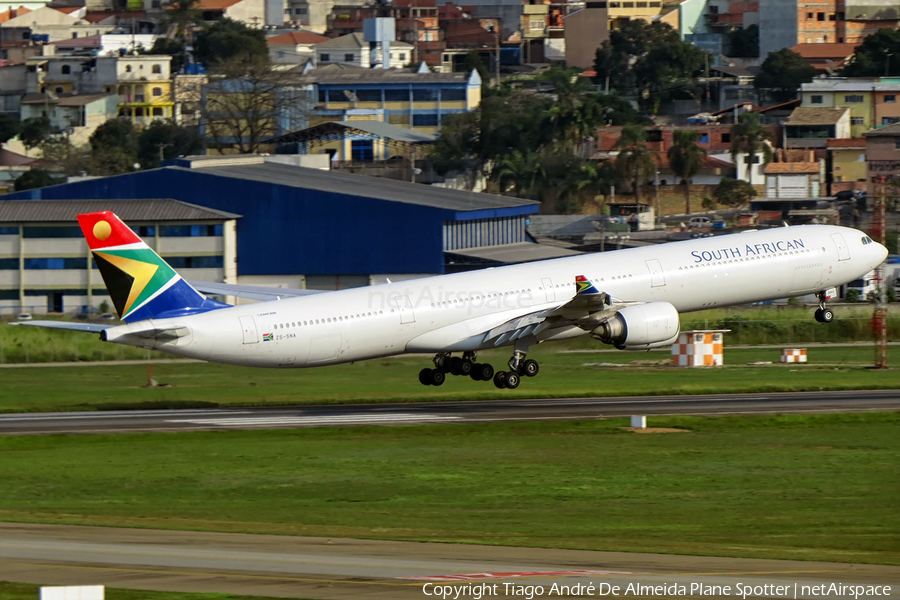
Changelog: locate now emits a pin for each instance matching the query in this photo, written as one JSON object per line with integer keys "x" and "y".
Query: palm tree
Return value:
{"x": 686, "y": 158}
{"x": 749, "y": 137}
{"x": 183, "y": 16}
{"x": 522, "y": 171}
{"x": 635, "y": 159}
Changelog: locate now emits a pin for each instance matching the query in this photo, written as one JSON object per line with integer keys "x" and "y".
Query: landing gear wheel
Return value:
{"x": 482, "y": 372}
{"x": 455, "y": 363}
{"x": 500, "y": 379}
{"x": 437, "y": 377}
{"x": 464, "y": 367}
{"x": 425, "y": 376}
{"x": 530, "y": 368}
{"x": 512, "y": 380}
{"x": 824, "y": 315}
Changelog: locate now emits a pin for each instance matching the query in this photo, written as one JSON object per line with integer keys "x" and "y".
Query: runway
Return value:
{"x": 298, "y": 567}
{"x": 447, "y": 412}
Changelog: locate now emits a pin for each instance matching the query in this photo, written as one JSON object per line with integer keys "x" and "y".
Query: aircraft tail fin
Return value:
{"x": 141, "y": 284}
{"x": 583, "y": 286}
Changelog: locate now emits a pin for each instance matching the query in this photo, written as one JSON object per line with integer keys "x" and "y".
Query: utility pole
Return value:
{"x": 879, "y": 318}
{"x": 497, "y": 60}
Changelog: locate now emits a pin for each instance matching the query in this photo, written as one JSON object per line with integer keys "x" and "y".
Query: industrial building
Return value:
{"x": 44, "y": 260}
{"x": 317, "y": 229}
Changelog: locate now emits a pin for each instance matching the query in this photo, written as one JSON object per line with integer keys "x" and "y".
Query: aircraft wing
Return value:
{"x": 87, "y": 327}
{"x": 586, "y": 310}
{"x": 253, "y": 292}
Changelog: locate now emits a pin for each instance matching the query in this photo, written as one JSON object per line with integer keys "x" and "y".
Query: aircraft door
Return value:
{"x": 248, "y": 325}
{"x": 842, "y": 249}
{"x": 407, "y": 315}
{"x": 549, "y": 292}
{"x": 657, "y": 277}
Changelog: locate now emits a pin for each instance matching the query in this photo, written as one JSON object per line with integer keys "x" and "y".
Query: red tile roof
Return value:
{"x": 295, "y": 38}
{"x": 792, "y": 167}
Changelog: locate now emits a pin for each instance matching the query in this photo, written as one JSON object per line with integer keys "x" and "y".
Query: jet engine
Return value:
{"x": 640, "y": 327}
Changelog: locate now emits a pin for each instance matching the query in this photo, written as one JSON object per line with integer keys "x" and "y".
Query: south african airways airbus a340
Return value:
{"x": 630, "y": 299}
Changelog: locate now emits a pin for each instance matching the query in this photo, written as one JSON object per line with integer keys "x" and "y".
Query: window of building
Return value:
{"x": 889, "y": 120}
{"x": 8, "y": 264}
{"x": 190, "y": 230}
{"x": 853, "y": 98}
{"x": 424, "y": 95}
{"x": 56, "y": 263}
{"x": 704, "y": 139}
{"x": 402, "y": 57}
{"x": 820, "y": 16}
{"x": 336, "y": 96}
{"x": 890, "y": 98}
{"x": 368, "y": 95}
{"x": 896, "y": 144}
{"x": 642, "y": 5}
{"x": 9, "y": 231}
{"x": 157, "y": 91}
{"x": 194, "y": 262}
{"x": 396, "y": 95}
{"x": 59, "y": 90}
{"x": 348, "y": 57}
{"x": 144, "y": 230}
{"x": 157, "y": 69}
{"x": 426, "y": 120}
{"x": 536, "y": 25}
{"x": 157, "y": 112}
{"x": 52, "y": 232}
{"x": 809, "y": 16}
{"x": 816, "y": 99}
{"x": 453, "y": 95}
{"x": 65, "y": 69}
{"x": 857, "y": 121}
{"x": 128, "y": 68}
{"x": 726, "y": 138}
{"x": 324, "y": 58}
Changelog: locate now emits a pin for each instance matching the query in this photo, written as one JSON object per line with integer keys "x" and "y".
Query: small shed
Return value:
{"x": 699, "y": 348}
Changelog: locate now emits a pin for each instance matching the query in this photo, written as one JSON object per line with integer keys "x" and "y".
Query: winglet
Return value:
{"x": 584, "y": 286}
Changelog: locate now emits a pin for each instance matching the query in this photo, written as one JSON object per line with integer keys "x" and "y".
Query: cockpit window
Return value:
{"x": 866, "y": 240}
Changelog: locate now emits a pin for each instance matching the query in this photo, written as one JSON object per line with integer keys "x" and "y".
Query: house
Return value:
{"x": 847, "y": 158}
{"x": 793, "y": 179}
{"x": 882, "y": 154}
{"x": 293, "y": 47}
{"x": 353, "y": 50}
{"x": 809, "y": 127}
{"x": 78, "y": 115}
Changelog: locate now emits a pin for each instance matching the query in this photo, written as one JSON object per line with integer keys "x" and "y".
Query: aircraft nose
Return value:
{"x": 880, "y": 252}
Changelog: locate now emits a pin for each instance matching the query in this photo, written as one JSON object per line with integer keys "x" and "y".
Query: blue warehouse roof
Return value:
{"x": 298, "y": 220}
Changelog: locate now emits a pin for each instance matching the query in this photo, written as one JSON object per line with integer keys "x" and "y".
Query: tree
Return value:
{"x": 10, "y": 127}
{"x": 113, "y": 147}
{"x": 248, "y": 102}
{"x": 744, "y": 43}
{"x": 179, "y": 20}
{"x": 34, "y": 131}
{"x": 782, "y": 73}
{"x": 635, "y": 159}
{"x": 165, "y": 140}
{"x": 575, "y": 113}
{"x": 521, "y": 170}
{"x": 652, "y": 57}
{"x": 35, "y": 178}
{"x": 733, "y": 192}
{"x": 686, "y": 159}
{"x": 877, "y": 56}
{"x": 227, "y": 41}
{"x": 749, "y": 137}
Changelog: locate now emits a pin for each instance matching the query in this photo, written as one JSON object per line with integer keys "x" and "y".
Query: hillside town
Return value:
{"x": 583, "y": 126}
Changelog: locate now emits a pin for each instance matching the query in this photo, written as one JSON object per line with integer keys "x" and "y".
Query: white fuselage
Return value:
{"x": 453, "y": 312}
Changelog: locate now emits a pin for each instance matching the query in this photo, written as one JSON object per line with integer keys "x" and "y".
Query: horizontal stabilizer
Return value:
{"x": 86, "y": 327}
{"x": 253, "y": 292}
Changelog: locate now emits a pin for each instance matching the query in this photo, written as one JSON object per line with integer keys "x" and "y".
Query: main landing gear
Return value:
{"x": 823, "y": 314}
{"x": 518, "y": 367}
{"x": 444, "y": 363}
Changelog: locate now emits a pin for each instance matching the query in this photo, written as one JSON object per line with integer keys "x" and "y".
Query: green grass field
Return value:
{"x": 563, "y": 374}
{"x": 27, "y": 591}
{"x": 798, "y": 487}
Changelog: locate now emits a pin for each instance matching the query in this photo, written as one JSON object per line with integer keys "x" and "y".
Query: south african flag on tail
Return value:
{"x": 140, "y": 283}
{"x": 583, "y": 286}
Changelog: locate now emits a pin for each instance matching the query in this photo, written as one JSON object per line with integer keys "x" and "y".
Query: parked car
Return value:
{"x": 699, "y": 222}
{"x": 845, "y": 195}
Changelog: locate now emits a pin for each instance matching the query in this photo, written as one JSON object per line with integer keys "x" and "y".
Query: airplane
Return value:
{"x": 631, "y": 299}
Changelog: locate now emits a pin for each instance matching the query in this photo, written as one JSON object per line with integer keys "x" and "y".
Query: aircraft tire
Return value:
{"x": 827, "y": 315}
{"x": 500, "y": 379}
{"x": 465, "y": 367}
{"x": 512, "y": 380}
{"x": 482, "y": 372}
{"x": 455, "y": 363}
{"x": 437, "y": 377}
{"x": 425, "y": 376}
{"x": 530, "y": 368}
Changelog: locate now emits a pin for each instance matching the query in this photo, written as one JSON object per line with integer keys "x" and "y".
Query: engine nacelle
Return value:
{"x": 640, "y": 327}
